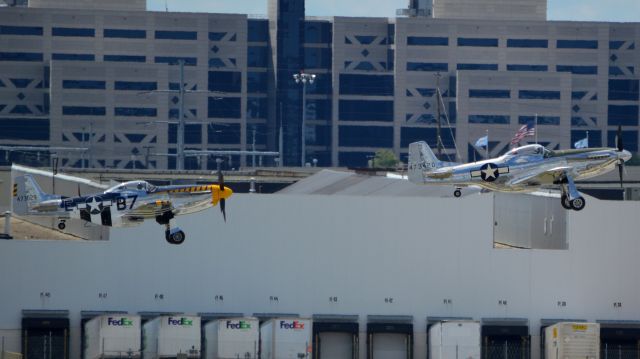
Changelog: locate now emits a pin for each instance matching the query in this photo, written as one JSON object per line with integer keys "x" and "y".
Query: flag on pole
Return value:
{"x": 526, "y": 130}
{"x": 583, "y": 143}
{"x": 482, "y": 141}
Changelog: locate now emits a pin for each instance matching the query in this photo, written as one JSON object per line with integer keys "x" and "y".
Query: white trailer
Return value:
{"x": 286, "y": 338}
{"x": 572, "y": 340}
{"x": 231, "y": 339}
{"x": 456, "y": 339}
{"x": 112, "y": 336}
{"x": 167, "y": 336}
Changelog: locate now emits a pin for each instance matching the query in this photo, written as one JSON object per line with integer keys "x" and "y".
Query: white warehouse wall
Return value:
{"x": 307, "y": 248}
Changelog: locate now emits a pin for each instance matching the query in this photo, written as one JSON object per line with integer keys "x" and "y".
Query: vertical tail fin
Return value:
{"x": 25, "y": 194}
{"x": 421, "y": 159}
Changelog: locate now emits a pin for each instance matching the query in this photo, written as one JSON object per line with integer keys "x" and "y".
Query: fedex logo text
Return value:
{"x": 296, "y": 325}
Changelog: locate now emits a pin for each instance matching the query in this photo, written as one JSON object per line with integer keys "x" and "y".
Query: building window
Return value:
{"x": 192, "y": 133}
{"x": 226, "y": 134}
{"x": 595, "y": 137}
{"x": 257, "y": 30}
{"x": 365, "y": 110}
{"x": 226, "y": 107}
{"x": 83, "y": 111}
{"x": 489, "y": 93}
{"x": 486, "y": 119}
{"x": 125, "y": 33}
{"x": 125, "y": 58}
{"x": 514, "y": 67}
{"x": 528, "y": 43}
{"x": 366, "y": 85}
{"x": 427, "y": 41}
{"x": 21, "y": 30}
{"x": 135, "y": 86}
{"x": 541, "y": 120}
{"x": 257, "y": 56}
{"x": 171, "y": 60}
{"x": 624, "y": 90}
{"x": 577, "y": 44}
{"x": 317, "y": 58}
{"x": 427, "y": 66}
{"x": 73, "y": 57}
{"x": 625, "y": 115}
{"x": 84, "y": 84}
{"x": 225, "y": 81}
{"x": 430, "y": 135}
{"x": 365, "y": 136}
{"x": 257, "y": 107}
{"x": 492, "y": 67}
{"x": 479, "y": 42}
{"x": 20, "y": 56}
{"x": 317, "y": 32}
{"x": 256, "y": 82}
{"x": 578, "y": 69}
{"x": 73, "y": 32}
{"x": 136, "y": 112}
{"x": 176, "y": 35}
{"x": 30, "y": 129}
{"x": 539, "y": 95}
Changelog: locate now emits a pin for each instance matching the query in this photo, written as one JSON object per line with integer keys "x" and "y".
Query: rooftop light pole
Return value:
{"x": 304, "y": 78}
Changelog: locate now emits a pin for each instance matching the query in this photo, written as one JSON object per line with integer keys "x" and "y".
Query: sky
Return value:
{"x": 578, "y": 10}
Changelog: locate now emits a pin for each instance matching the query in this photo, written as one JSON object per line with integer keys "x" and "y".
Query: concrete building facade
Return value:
{"x": 375, "y": 86}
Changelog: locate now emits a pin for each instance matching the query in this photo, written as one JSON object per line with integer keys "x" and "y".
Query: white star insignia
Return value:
{"x": 489, "y": 172}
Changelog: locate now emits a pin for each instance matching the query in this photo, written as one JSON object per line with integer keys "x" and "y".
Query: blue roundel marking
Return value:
{"x": 489, "y": 172}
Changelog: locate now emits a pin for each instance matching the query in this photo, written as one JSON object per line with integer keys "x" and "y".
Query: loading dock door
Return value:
{"x": 390, "y": 340}
{"x": 505, "y": 341}
{"x": 619, "y": 342}
{"x": 336, "y": 345}
{"x": 45, "y": 338}
{"x": 389, "y": 346}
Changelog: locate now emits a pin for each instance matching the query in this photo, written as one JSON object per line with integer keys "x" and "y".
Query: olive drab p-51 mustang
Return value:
{"x": 127, "y": 204}
{"x": 522, "y": 169}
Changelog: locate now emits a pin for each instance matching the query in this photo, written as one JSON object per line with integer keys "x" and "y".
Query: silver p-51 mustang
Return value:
{"x": 522, "y": 169}
{"x": 127, "y": 204}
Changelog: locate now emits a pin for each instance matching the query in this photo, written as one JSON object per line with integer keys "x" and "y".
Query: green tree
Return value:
{"x": 385, "y": 159}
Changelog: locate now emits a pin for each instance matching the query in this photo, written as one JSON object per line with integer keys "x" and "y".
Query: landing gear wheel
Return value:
{"x": 578, "y": 203}
{"x": 62, "y": 225}
{"x": 174, "y": 238}
{"x": 457, "y": 193}
{"x": 564, "y": 200}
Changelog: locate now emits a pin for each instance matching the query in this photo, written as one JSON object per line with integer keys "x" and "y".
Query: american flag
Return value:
{"x": 526, "y": 130}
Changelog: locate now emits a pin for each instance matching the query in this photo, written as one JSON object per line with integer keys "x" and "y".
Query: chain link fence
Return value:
{"x": 508, "y": 349}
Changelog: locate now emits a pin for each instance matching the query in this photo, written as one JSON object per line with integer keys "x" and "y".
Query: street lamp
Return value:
{"x": 304, "y": 78}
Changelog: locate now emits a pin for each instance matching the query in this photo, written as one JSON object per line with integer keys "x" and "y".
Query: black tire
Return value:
{"x": 457, "y": 193}
{"x": 578, "y": 204}
{"x": 178, "y": 237}
{"x": 62, "y": 226}
{"x": 564, "y": 200}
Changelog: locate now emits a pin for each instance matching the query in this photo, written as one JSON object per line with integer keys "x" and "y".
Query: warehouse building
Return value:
{"x": 373, "y": 261}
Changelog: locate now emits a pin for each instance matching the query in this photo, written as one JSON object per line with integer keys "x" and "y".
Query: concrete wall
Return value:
{"x": 306, "y": 249}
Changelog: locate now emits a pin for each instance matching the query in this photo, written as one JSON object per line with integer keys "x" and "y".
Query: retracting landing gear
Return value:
{"x": 172, "y": 235}
{"x": 571, "y": 198}
{"x": 457, "y": 193}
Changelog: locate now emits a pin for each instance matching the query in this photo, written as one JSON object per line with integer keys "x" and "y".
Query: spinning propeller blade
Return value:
{"x": 222, "y": 200}
{"x": 620, "y": 147}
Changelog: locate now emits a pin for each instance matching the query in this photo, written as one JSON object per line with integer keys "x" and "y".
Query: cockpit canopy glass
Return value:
{"x": 133, "y": 186}
{"x": 530, "y": 150}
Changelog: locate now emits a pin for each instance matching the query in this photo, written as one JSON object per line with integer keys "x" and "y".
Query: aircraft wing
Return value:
{"x": 545, "y": 176}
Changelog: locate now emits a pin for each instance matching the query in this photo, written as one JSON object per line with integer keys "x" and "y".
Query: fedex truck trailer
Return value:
{"x": 112, "y": 336}
{"x": 231, "y": 339}
{"x": 169, "y": 336}
{"x": 455, "y": 339}
{"x": 572, "y": 340}
{"x": 286, "y": 338}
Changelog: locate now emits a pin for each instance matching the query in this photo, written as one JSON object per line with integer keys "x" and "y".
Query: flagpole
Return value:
{"x": 535, "y": 128}
{"x": 587, "y": 139}
{"x": 487, "y": 147}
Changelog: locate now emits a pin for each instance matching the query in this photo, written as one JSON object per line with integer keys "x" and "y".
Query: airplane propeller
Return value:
{"x": 222, "y": 200}
{"x": 620, "y": 163}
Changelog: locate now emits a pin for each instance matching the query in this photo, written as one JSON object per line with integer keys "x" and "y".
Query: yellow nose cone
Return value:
{"x": 226, "y": 193}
